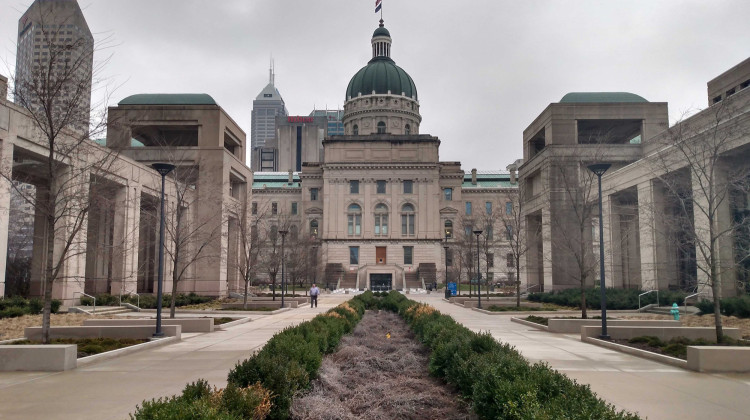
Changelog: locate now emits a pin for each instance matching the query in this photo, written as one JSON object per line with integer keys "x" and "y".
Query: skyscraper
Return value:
{"x": 334, "y": 117}
{"x": 266, "y": 107}
{"x": 54, "y": 61}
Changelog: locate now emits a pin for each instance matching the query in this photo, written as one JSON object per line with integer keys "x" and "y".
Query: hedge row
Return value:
{"x": 199, "y": 402}
{"x": 146, "y": 301}
{"x": 263, "y": 385}
{"x": 498, "y": 381}
{"x": 733, "y": 306}
{"x": 616, "y": 298}
{"x": 18, "y": 306}
{"x": 292, "y": 357}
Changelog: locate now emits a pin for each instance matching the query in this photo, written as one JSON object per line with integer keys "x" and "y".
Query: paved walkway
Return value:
{"x": 654, "y": 390}
{"x": 111, "y": 389}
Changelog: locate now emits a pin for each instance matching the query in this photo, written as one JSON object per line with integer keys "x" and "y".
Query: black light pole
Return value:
{"x": 163, "y": 169}
{"x": 283, "y": 289}
{"x": 479, "y": 294}
{"x": 599, "y": 169}
{"x": 445, "y": 247}
{"x": 315, "y": 266}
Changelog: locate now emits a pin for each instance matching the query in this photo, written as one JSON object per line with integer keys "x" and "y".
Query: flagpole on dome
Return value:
{"x": 379, "y": 8}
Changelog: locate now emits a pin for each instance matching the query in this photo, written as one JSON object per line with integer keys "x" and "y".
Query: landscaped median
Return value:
{"x": 494, "y": 378}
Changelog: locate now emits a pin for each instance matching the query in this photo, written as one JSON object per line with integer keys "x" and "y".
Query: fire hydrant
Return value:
{"x": 675, "y": 311}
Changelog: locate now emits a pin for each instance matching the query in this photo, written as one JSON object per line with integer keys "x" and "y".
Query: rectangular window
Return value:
{"x": 467, "y": 231}
{"x": 313, "y": 194}
{"x": 353, "y": 255}
{"x": 488, "y": 232}
{"x": 274, "y": 208}
{"x": 448, "y": 194}
{"x": 254, "y": 207}
{"x": 488, "y": 207}
{"x": 354, "y": 187}
{"x": 490, "y": 259}
{"x": 468, "y": 208}
{"x": 294, "y": 208}
{"x": 408, "y": 255}
{"x": 509, "y": 260}
{"x": 509, "y": 232}
{"x": 509, "y": 208}
{"x": 381, "y": 187}
{"x": 408, "y": 187}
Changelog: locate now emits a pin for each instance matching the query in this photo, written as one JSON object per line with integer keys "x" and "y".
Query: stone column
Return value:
{"x": 653, "y": 246}
{"x": 612, "y": 240}
{"x": 547, "y": 251}
{"x": 6, "y": 165}
{"x": 126, "y": 239}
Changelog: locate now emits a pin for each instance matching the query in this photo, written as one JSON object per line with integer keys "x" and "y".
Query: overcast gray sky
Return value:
{"x": 483, "y": 69}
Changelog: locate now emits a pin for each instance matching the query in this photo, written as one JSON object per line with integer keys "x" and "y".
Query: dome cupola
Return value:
{"x": 381, "y": 98}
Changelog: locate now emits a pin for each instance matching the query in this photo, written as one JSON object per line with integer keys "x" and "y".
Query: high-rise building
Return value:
{"x": 266, "y": 107}
{"x": 335, "y": 120}
{"x": 55, "y": 54}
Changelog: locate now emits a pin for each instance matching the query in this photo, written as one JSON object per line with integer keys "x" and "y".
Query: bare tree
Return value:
{"x": 516, "y": 232}
{"x": 706, "y": 176}
{"x": 52, "y": 92}
{"x": 250, "y": 241}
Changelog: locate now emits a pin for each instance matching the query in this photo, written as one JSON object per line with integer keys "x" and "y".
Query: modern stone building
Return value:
{"x": 659, "y": 199}
{"x": 380, "y": 208}
{"x": 266, "y": 107}
{"x": 53, "y": 35}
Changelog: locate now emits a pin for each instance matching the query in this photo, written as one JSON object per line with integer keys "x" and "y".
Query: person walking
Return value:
{"x": 314, "y": 292}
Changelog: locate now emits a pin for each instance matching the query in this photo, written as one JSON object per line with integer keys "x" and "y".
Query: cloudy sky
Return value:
{"x": 483, "y": 69}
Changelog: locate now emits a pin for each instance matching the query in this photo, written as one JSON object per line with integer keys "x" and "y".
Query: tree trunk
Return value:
{"x": 174, "y": 295}
{"x": 244, "y": 299}
{"x": 716, "y": 289}
{"x": 584, "y": 314}
{"x": 518, "y": 284}
{"x": 49, "y": 269}
{"x": 273, "y": 285}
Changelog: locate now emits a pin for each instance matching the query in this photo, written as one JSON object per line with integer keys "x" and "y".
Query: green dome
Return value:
{"x": 381, "y": 31}
{"x": 381, "y": 75}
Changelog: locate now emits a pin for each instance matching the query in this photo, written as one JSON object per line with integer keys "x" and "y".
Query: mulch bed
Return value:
{"x": 646, "y": 347}
{"x": 374, "y": 377}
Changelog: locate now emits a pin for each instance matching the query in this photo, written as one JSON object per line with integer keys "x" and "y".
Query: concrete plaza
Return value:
{"x": 111, "y": 389}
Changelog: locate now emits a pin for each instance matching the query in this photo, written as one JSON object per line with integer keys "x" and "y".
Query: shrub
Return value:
{"x": 499, "y": 382}
{"x": 616, "y": 298}
{"x": 738, "y": 306}
{"x": 18, "y": 306}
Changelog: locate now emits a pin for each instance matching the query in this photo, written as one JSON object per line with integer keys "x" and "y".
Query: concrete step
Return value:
{"x": 100, "y": 310}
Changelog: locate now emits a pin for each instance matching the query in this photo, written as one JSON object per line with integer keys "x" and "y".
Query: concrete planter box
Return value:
{"x": 189, "y": 325}
{"x": 49, "y": 357}
{"x": 718, "y": 358}
{"x": 298, "y": 299}
{"x": 664, "y": 333}
{"x": 130, "y": 331}
{"x": 573, "y": 326}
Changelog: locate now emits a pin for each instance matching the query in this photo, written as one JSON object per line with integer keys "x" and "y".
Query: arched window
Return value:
{"x": 407, "y": 129}
{"x": 381, "y": 127}
{"x": 448, "y": 229}
{"x": 314, "y": 228}
{"x": 354, "y": 219}
{"x": 407, "y": 220}
{"x": 381, "y": 219}
{"x": 355, "y": 130}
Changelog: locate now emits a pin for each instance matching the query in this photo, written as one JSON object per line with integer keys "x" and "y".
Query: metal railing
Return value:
{"x": 688, "y": 297}
{"x": 645, "y": 293}
{"x": 92, "y": 297}
{"x": 137, "y": 298}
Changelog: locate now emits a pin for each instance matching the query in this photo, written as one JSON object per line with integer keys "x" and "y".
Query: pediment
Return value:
{"x": 448, "y": 210}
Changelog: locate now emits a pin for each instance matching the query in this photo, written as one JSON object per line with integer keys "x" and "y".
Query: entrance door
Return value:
{"x": 381, "y": 282}
{"x": 380, "y": 254}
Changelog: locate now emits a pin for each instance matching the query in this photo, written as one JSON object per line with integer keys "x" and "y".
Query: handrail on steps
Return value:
{"x": 137, "y": 298}
{"x": 645, "y": 293}
{"x": 92, "y": 297}
{"x": 688, "y": 297}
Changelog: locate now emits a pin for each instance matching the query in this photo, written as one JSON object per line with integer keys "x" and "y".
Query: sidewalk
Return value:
{"x": 111, "y": 389}
{"x": 654, "y": 390}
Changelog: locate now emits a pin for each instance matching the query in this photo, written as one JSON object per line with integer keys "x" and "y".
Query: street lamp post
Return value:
{"x": 283, "y": 284}
{"x": 315, "y": 265}
{"x": 445, "y": 247}
{"x": 599, "y": 169}
{"x": 163, "y": 169}
{"x": 479, "y": 294}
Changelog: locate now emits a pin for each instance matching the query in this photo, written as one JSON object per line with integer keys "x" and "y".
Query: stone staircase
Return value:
{"x": 349, "y": 281}
{"x": 100, "y": 310}
{"x": 412, "y": 280}
{"x": 333, "y": 272}
{"x": 427, "y": 273}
